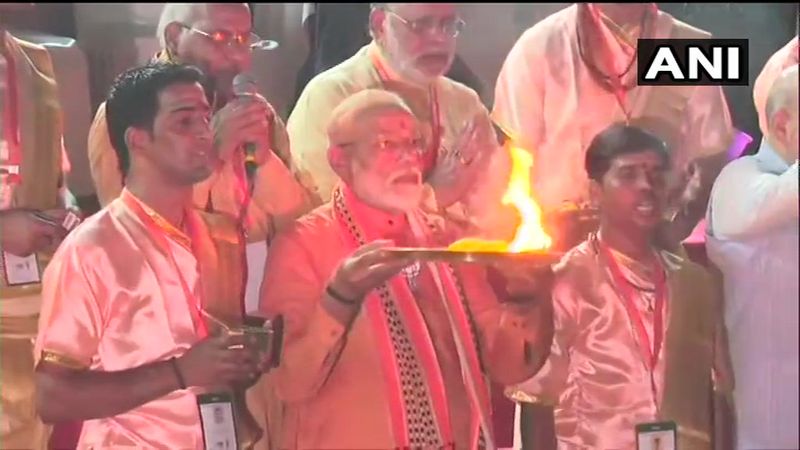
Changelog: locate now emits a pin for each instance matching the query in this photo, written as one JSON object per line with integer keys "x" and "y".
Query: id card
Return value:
{"x": 657, "y": 436}
{"x": 216, "y": 417}
{"x": 19, "y": 271}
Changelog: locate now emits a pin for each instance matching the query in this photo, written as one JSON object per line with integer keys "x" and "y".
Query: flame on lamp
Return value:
{"x": 530, "y": 235}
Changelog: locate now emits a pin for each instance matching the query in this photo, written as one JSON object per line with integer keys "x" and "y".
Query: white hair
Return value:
{"x": 186, "y": 13}
{"x": 783, "y": 93}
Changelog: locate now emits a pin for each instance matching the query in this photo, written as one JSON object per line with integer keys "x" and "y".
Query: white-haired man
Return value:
{"x": 413, "y": 47}
{"x": 217, "y": 38}
{"x": 785, "y": 57}
{"x": 376, "y": 358}
{"x": 753, "y": 239}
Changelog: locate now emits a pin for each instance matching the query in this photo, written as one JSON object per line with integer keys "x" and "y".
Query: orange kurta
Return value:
{"x": 596, "y": 377}
{"x": 331, "y": 380}
{"x": 113, "y": 299}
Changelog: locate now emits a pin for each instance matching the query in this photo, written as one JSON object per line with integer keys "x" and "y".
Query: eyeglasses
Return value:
{"x": 223, "y": 38}
{"x": 450, "y": 27}
{"x": 397, "y": 147}
{"x": 385, "y": 145}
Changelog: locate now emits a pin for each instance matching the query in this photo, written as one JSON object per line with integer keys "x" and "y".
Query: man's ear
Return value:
{"x": 339, "y": 159}
{"x": 595, "y": 192}
{"x": 172, "y": 35}
{"x": 376, "y": 18}
{"x": 137, "y": 140}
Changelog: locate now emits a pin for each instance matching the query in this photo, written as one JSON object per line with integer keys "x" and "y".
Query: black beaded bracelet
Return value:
{"x": 174, "y": 363}
{"x": 339, "y": 297}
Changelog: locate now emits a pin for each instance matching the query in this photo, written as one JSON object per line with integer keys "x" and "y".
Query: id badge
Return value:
{"x": 216, "y": 417}
{"x": 19, "y": 271}
{"x": 657, "y": 436}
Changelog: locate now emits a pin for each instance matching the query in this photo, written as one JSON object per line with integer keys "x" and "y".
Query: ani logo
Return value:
{"x": 695, "y": 62}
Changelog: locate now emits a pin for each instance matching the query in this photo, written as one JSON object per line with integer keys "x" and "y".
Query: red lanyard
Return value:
{"x": 436, "y": 125}
{"x": 157, "y": 231}
{"x": 11, "y": 113}
{"x": 625, "y": 290}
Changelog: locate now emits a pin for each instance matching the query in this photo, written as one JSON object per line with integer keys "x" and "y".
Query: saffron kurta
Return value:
{"x": 547, "y": 99}
{"x": 333, "y": 380}
{"x": 114, "y": 299}
{"x": 596, "y": 378}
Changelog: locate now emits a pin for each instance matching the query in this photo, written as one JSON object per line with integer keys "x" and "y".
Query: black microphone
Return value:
{"x": 244, "y": 84}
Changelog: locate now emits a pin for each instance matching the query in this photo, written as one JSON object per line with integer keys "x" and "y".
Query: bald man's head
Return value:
{"x": 376, "y": 148}
{"x": 200, "y": 34}
{"x": 782, "y": 114}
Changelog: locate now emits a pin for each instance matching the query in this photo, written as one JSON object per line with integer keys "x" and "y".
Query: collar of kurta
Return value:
{"x": 769, "y": 160}
{"x": 594, "y": 31}
{"x": 149, "y": 216}
{"x": 379, "y": 223}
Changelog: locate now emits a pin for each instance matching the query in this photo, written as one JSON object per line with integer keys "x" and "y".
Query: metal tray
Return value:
{"x": 481, "y": 257}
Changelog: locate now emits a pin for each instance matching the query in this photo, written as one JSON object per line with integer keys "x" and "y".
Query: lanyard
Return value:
{"x": 157, "y": 231}
{"x": 436, "y": 125}
{"x": 626, "y": 293}
{"x": 11, "y": 112}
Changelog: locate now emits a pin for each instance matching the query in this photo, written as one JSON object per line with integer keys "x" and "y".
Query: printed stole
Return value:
{"x": 416, "y": 390}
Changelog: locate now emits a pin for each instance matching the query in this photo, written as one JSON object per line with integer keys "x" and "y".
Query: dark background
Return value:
{"x": 341, "y": 28}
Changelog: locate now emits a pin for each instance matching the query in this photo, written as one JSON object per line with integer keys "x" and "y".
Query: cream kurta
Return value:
{"x": 596, "y": 378}
{"x": 548, "y": 101}
{"x": 458, "y": 105}
{"x": 277, "y": 199}
{"x": 331, "y": 381}
{"x": 113, "y": 300}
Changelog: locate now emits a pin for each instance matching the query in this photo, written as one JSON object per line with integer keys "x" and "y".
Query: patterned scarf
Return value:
{"x": 417, "y": 396}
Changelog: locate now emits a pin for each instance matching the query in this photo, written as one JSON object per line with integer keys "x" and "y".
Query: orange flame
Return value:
{"x": 530, "y": 235}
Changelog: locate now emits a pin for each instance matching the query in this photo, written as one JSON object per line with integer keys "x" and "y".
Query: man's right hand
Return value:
{"x": 22, "y": 233}
{"x": 366, "y": 269}
{"x": 243, "y": 119}
{"x": 220, "y": 360}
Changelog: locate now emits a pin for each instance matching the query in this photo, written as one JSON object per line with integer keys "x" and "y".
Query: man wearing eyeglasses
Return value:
{"x": 381, "y": 351}
{"x": 217, "y": 38}
{"x": 412, "y": 49}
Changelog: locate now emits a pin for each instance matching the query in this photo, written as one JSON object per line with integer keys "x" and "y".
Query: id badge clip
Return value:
{"x": 657, "y": 436}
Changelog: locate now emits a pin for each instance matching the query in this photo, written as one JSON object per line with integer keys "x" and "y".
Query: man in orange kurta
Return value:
{"x": 123, "y": 342}
{"x": 639, "y": 336}
{"x": 216, "y": 37}
{"x": 376, "y": 358}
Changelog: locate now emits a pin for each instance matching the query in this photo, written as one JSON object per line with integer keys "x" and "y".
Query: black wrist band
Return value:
{"x": 174, "y": 363}
{"x": 339, "y": 297}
